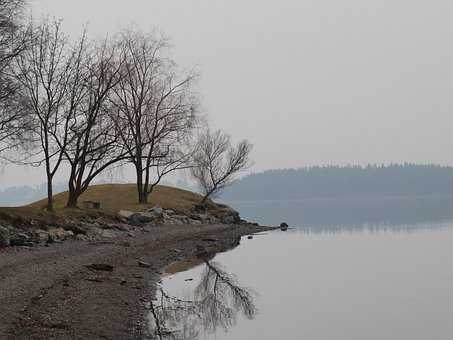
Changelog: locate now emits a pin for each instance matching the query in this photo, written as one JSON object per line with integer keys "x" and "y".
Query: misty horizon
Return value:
{"x": 328, "y": 82}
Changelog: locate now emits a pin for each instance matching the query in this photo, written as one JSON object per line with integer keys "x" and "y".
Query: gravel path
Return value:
{"x": 49, "y": 293}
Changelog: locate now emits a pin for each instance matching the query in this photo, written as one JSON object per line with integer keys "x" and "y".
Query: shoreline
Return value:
{"x": 54, "y": 293}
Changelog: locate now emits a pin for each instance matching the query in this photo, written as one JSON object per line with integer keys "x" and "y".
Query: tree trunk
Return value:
{"x": 207, "y": 195}
{"x": 147, "y": 192}
{"x": 205, "y": 198}
{"x": 49, "y": 194}
{"x": 49, "y": 185}
{"x": 140, "y": 188}
{"x": 72, "y": 199}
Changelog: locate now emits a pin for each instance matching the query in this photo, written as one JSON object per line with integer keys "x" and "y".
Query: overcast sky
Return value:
{"x": 306, "y": 81}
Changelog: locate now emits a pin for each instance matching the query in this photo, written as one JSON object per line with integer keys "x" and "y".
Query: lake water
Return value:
{"x": 369, "y": 276}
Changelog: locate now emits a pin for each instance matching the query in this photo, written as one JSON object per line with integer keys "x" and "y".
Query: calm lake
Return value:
{"x": 350, "y": 269}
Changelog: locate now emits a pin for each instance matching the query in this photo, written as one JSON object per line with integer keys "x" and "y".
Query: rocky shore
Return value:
{"x": 127, "y": 223}
{"x": 92, "y": 278}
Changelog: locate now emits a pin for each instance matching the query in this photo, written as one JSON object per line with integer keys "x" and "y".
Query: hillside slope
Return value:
{"x": 115, "y": 197}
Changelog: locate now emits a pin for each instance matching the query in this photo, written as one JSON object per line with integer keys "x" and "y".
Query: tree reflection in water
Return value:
{"x": 215, "y": 303}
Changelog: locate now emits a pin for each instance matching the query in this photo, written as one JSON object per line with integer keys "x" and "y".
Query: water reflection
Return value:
{"x": 215, "y": 303}
{"x": 373, "y": 228}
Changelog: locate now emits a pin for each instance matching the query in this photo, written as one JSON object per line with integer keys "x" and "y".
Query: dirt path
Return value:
{"x": 49, "y": 293}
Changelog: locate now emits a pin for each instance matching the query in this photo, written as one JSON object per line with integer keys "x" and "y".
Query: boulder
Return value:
{"x": 182, "y": 218}
{"x": 77, "y": 229}
{"x": 68, "y": 234}
{"x": 57, "y": 234}
{"x": 81, "y": 237}
{"x": 229, "y": 219}
{"x": 233, "y": 216}
{"x": 20, "y": 240}
{"x": 284, "y": 226}
{"x": 170, "y": 212}
{"x": 141, "y": 218}
{"x": 156, "y": 211}
{"x": 40, "y": 236}
{"x": 125, "y": 213}
{"x": 4, "y": 237}
{"x": 105, "y": 233}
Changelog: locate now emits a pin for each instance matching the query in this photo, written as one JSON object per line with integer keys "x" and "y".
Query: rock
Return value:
{"x": 40, "y": 236}
{"x": 213, "y": 220}
{"x": 94, "y": 232}
{"x": 144, "y": 264}
{"x": 20, "y": 240}
{"x": 100, "y": 267}
{"x": 195, "y": 217}
{"x": 250, "y": 237}
{"x": 68, "y": 234}
{"x": 283, "y": 226}
{"x": 228, "y": 219}
{"x": 4, "y": 237}
{"x": 119, "y": 226}
{"x": 182, "y": 218}
{"x": 105, "y": 233}
{"x": 141, "y": 218}
{"x": 173, "y": 221}
{"x": 76, "y": 229}
{"x": 125, "y": 213}
{"x": 170, "y": 212}
{"x": 81, "y": 237}
{"x": 156, "y": 211}
{"x": 231, "y": 217}
{"x": 203, "y": 217}
{"x": 57, "y": 234}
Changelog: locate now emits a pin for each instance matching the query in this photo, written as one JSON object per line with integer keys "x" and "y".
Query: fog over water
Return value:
{"x": 308, "y": 82}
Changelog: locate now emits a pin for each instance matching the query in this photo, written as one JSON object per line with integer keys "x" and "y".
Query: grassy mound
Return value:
{"x": 113, "y": 198}
{"x": 116, "y": 197}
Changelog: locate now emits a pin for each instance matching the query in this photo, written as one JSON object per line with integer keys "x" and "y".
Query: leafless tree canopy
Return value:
{"x": 66, "y": 87}
{"x": 12, "y": 43}
{"x": 156, "y": 109}
{"x": 44, "y": 72}
{"x": 97, "y": 104}
{"x": 93, "y": 143}
{"x": 216, "y": 162}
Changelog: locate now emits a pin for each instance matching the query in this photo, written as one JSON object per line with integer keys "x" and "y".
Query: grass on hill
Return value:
{"x": 113, "y": 198}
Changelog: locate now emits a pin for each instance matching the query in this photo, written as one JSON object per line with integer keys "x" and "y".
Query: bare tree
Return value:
{"x": 44, "y": 71}
{"x": 156, "y": 109}
{"x": 93, "y": 143}
{"x": 216, "y": 162}
{"x": 12, "y": 42}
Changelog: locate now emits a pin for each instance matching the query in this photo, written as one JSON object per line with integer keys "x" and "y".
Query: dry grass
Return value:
{"x": 116, "y": 197}
{"x": 113, "y": 197}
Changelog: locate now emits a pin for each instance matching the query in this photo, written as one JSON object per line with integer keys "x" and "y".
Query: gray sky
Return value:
{"x": 306, "y": 81}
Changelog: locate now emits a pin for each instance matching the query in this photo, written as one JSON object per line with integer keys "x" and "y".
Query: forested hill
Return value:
{"x": 335, "y": 181}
